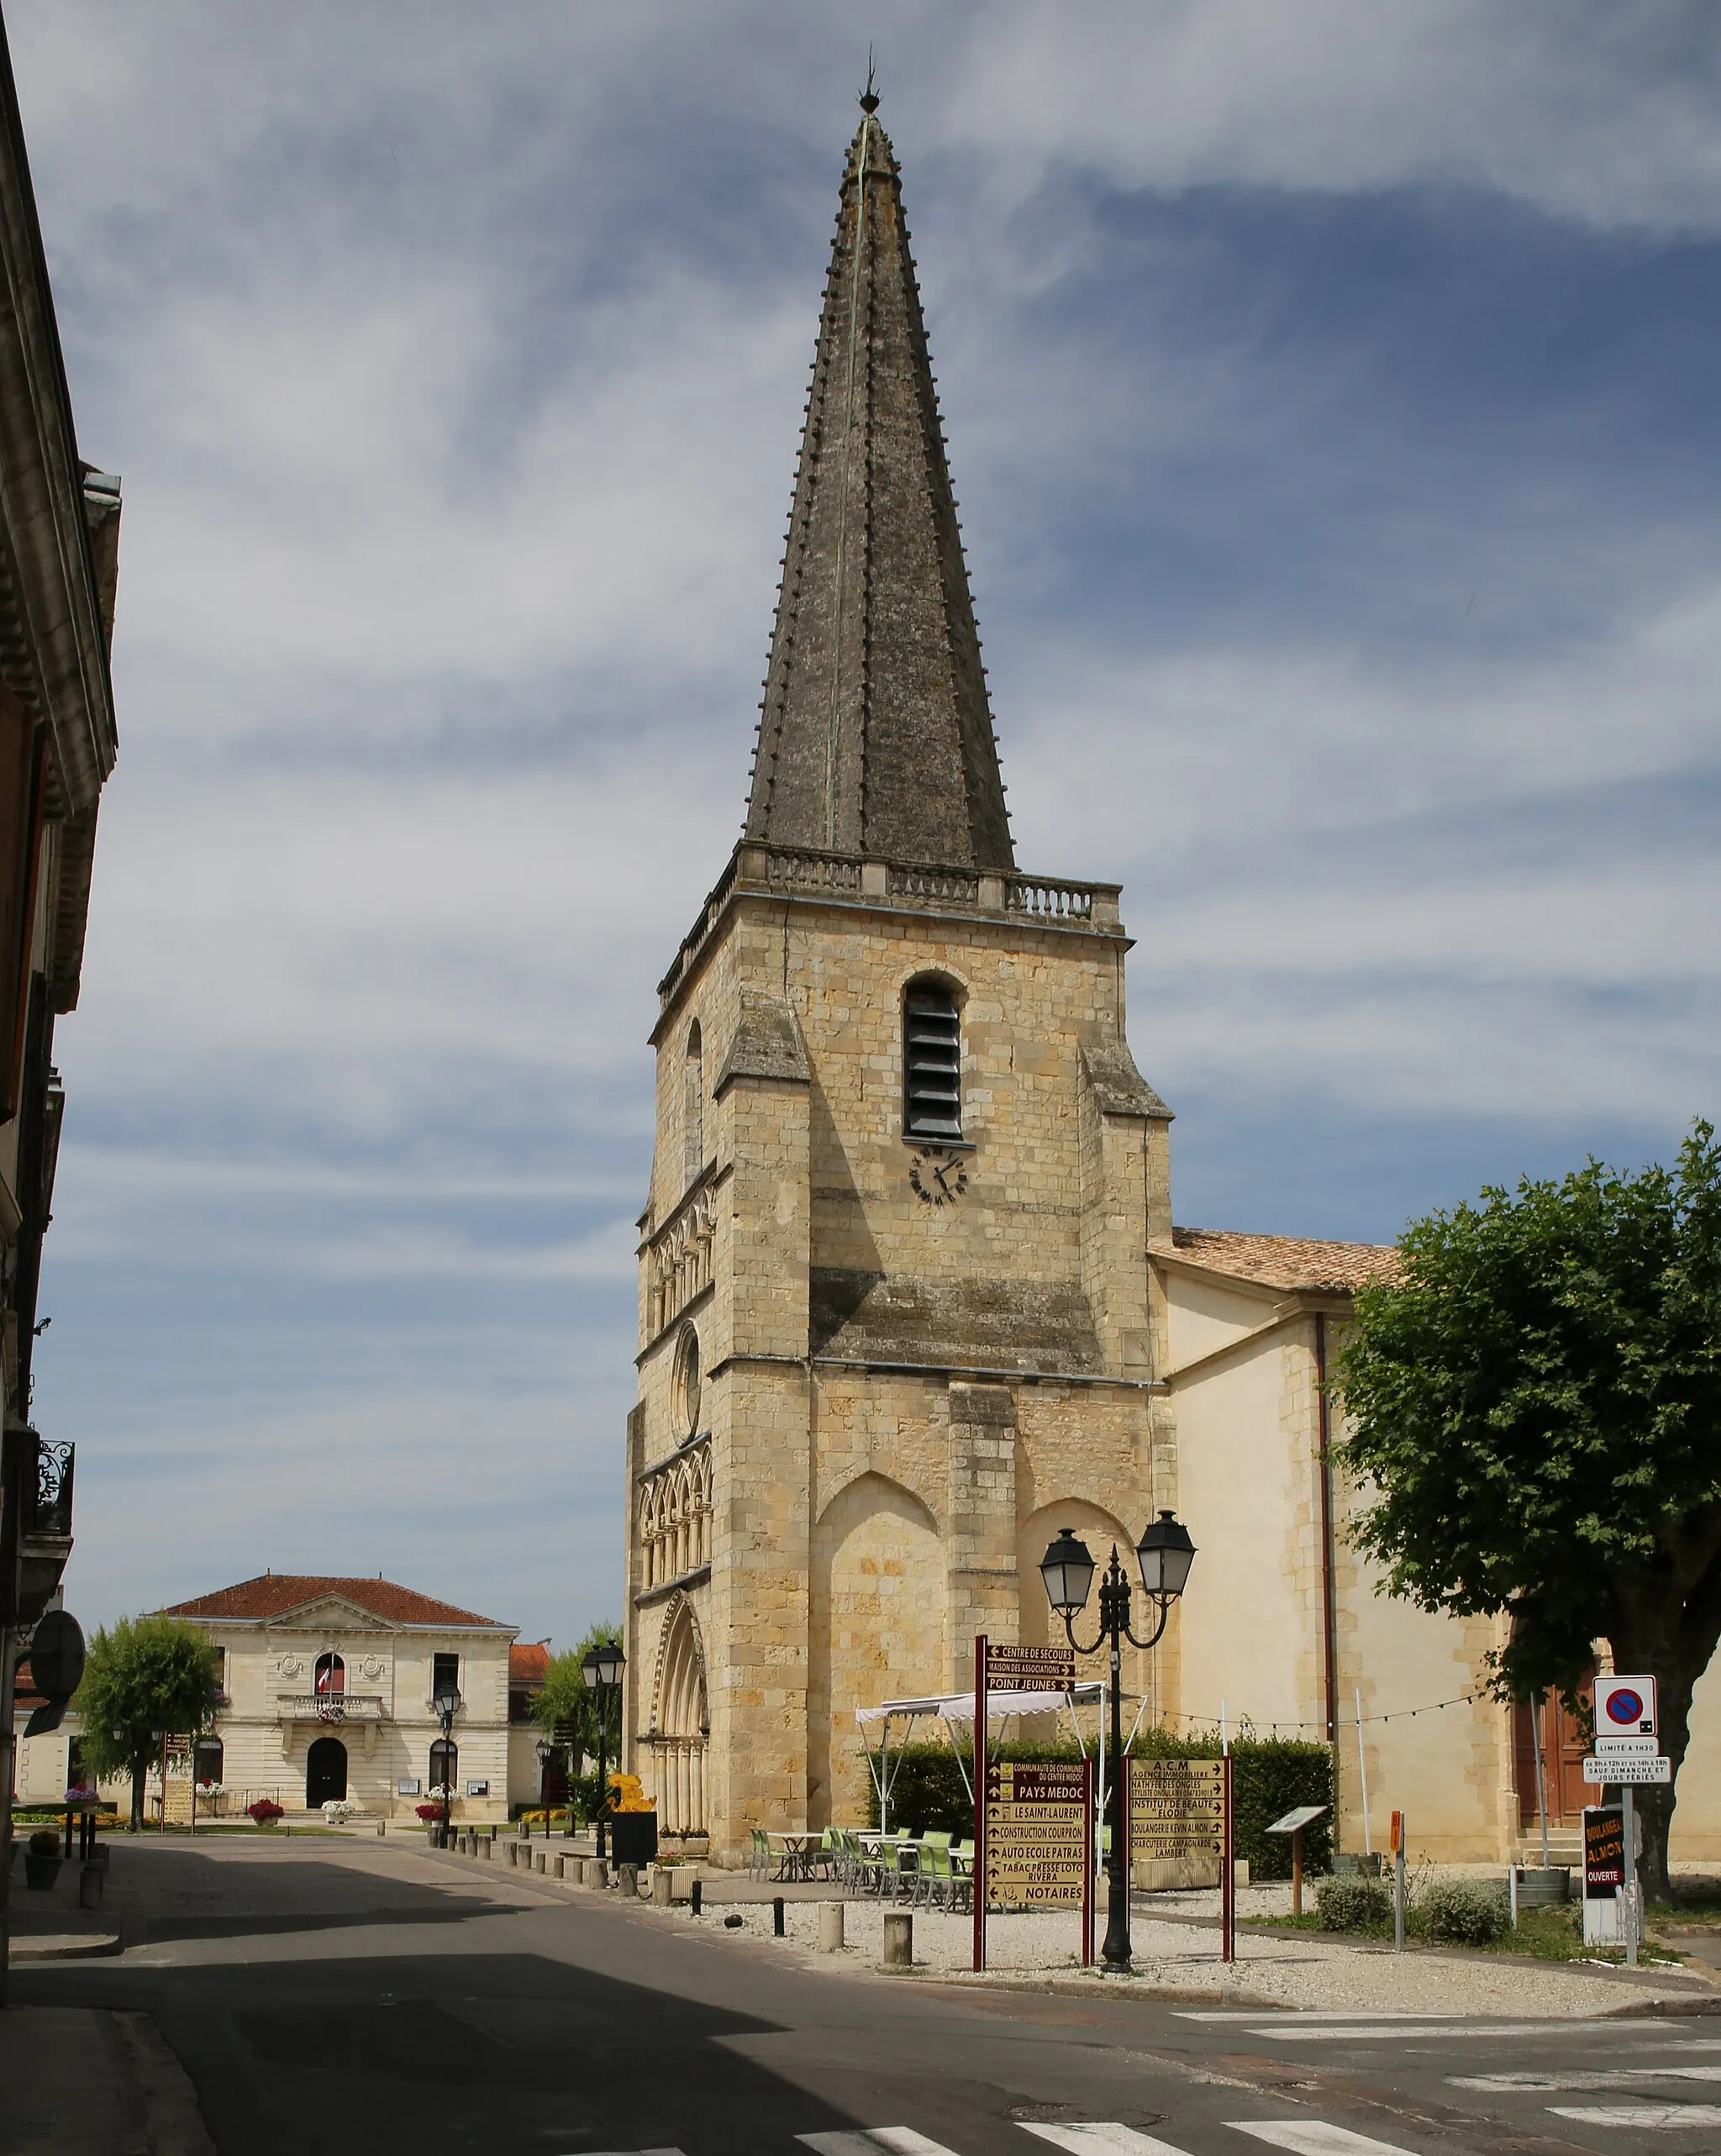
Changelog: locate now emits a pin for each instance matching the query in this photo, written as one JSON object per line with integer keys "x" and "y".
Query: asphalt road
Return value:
{"x": 327, "y": 1997}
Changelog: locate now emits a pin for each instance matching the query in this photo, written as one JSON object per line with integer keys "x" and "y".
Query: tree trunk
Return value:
{"x": 1673, "y": 1643}
{"x": 140, "y": 1777}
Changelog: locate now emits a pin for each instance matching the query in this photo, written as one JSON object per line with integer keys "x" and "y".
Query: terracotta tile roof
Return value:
{"x": 276, "y": 1593}
{"x": 1291, "y": 1262}
{"x": 528, "y": 1666}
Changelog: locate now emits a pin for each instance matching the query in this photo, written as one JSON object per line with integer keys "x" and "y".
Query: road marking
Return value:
{"x": 898, "y": 2140}
{"x": 1616, "y": 2077}
{"x": 1102, "y": 2137}
{"x": 1310, "y": 2015}
{"x": 1640, "y": 2114}
{"x": 1314, "y": 2137}
{"x": 1397, "y": 2031}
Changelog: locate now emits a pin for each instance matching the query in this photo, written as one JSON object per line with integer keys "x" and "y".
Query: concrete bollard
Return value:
{"x": 594, "y": 1872}
{"x": 559, "y": 1862}
{"x": 830, "y": 1927}
{"x": 626, "y": 1878}
{"x": 898, "y": 1939}
{"x": 541, "y": 1865}
{"x": 663, "y": 1887}
{"x": 90, "y": 1881}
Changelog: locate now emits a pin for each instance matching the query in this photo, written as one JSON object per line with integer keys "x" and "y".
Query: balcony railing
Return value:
{"x": 1055, "y": 901}
{"x": 329, "y": 1707}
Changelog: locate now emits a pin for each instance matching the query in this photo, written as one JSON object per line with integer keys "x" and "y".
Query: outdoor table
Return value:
{"x": 796, "y": 1853}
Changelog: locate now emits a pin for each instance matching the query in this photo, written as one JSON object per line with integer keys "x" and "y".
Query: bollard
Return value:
{"x": 830, "y": 1927}
{"x": 693, "y": 1898}
{"x": 663, "y": 1887}
{"x": 594, "y": 1872}
{"x": 381, "y": 1824}
{"x": 488, "y": 1848}
{"x": 898, "y": 1939}
{"x": 777, "y": 1915}
{"x": 559, "y": 1862}
{"x": 89, "y": 1887}
{"x": 540, "y": 1865}
{"x": 626, "y": 1878}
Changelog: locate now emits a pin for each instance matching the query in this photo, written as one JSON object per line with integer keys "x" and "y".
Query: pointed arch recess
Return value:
{"x": 680, "y": 1720}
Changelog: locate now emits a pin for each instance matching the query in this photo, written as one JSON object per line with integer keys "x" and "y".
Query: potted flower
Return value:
{"x": 265, "y": 1811}
{"x": 42, "y": 1859}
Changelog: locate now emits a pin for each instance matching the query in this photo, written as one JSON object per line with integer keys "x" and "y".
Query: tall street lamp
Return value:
{"x": 602, "y": 1668}
{"x": 447, "y": 1704}
{"x": 1165, "y": 1555}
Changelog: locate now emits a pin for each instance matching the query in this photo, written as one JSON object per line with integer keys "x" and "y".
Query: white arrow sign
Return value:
{"x": 1614, "y": 1769}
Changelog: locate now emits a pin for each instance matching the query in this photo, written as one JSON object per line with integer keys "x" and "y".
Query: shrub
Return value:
{"x": 1467, "y": 1911}
{"x": 1354, "y": 1904}
{"x": 45, "y": 1843}
{"x": 265, "y": 1811}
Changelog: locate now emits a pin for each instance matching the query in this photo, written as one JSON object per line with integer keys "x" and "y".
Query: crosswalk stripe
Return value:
{"x": 1398, "y": 2031}
{"x": 867, "y": 2141}
{"x": 1102, "y": 2137}
{"x": 1610, "y": 2077}
{"x": 1640, "y": 2114}
{"x": 1314, "y": 2137}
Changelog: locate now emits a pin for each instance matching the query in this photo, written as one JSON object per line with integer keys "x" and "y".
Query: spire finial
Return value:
{"x": 869, "y": 96}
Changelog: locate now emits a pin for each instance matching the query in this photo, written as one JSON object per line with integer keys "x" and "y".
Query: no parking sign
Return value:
{"x": 1625, "y": 1706}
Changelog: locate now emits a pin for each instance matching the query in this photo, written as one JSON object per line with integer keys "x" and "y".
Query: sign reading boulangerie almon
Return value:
{"x": 1176, "y": 1809}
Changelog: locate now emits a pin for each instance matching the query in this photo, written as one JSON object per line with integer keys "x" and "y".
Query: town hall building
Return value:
{"x": 911, "y": 1296}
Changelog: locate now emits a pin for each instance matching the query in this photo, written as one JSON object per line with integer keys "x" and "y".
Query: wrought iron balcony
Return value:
{"x": 330, "y": 1706}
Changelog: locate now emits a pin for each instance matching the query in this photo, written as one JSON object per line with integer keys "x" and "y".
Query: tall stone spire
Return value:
{"x": 875, "y": 738}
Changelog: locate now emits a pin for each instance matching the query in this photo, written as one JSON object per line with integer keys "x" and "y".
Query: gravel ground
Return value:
{"x": 1313, "y": 1973}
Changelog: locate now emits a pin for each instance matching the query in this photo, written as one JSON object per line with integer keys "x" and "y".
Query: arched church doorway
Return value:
{"x": 325, "y": 1772}
{"x": 1563, "y": 1750}
{"x": 681, "y": 1723}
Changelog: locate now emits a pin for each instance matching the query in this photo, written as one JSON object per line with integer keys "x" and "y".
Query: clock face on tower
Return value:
{"x": 938, "y": 1175}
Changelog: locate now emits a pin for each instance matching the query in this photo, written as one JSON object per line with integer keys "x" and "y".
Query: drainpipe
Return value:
{"x": 1328, "y": 1613}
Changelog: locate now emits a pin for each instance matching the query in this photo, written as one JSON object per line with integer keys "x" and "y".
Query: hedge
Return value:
{"x": 1272, "y": 1775}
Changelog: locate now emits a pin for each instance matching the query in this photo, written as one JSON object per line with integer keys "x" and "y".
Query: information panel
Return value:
{"x": 1037, "y": 1835}
{"x": 1176, "y": 1808}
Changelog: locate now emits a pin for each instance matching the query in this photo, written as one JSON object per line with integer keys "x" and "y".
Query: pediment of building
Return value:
{"x": 329, "y": 1613}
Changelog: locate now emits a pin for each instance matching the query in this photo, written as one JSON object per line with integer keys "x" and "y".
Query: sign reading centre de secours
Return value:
{"x": 1030, "y": 1669}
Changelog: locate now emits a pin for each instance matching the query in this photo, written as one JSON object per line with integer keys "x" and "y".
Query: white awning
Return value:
{"x": 959, "y": 1707}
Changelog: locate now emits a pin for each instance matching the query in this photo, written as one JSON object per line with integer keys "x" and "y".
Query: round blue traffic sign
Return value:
{"x": 1624, "y": 1707}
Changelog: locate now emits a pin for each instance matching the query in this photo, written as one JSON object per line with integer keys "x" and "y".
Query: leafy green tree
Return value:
{"x": 1538, "y": 1400}
{"x": 147, "y": 1675}
{"x": 567, "y": 1702}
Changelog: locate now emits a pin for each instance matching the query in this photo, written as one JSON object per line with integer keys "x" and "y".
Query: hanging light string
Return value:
{"x": 1346, "y": 1720}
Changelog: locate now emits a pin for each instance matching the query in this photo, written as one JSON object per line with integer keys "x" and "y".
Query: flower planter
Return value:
{"x": 633, "y": 1838}
{"x": 1544, "y": 1890}
{"x": 40, "y": 1872}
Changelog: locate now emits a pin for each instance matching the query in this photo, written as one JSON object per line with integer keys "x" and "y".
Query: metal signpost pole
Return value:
{"x": 1629, "y": 1809}
{"x": 1227, "y": 1866}
{"x": 980, "y": 1761}
{"x": 1398, "y": 1839}
{"x": 1087, "y": 1854}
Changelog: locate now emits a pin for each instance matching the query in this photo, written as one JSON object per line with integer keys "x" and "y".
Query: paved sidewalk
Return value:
{"x": 78, "y": 2082}
{"x": 47, "y": 1924}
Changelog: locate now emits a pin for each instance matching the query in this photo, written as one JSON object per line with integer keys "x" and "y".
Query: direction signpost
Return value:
{"x": 1182, "y": 1808}
{"x": 1033, "y": 1825}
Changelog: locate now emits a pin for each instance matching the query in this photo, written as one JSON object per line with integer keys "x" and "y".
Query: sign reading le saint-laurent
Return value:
{"x": 1176, "y": 1807}
{"x": 1030, "y": 1669}
{"x": 1036, "y": 1835}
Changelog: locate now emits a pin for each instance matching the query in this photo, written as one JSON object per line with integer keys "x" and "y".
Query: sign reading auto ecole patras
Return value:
{"x": 1176, "y": 1808}
{"x": 1037, "y": 1835}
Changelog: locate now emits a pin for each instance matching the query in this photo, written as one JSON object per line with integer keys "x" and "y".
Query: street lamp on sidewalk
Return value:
{"x": 1165, "y": 1555}
{"x": 601, "y": 1667}
{"x": 447, "y": 1705}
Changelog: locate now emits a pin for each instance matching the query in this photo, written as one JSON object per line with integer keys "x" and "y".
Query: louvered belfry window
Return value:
{"x": 931, "y": 1063}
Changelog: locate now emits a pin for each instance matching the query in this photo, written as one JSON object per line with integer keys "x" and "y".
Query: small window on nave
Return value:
{"x": 932, "y": 1062}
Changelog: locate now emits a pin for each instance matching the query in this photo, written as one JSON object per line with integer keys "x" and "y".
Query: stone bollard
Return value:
{"x": 559, "y": 1862}
{"x": 381, "y": 1828}
{"x": 593, "y": 1872}
{"x": 663, "y": 1887}
{"x": 898, "y": 1939}
{"x": 541, "y": 1865}
{"x": 626, "y": 1878}
{"x": 486, "y": 1849}
{"x": 830, "y": 1927}
{"x": 90, "y": 1881}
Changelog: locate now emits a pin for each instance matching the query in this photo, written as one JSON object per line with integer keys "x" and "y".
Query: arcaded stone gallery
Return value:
{"x": 911, "y": 1299}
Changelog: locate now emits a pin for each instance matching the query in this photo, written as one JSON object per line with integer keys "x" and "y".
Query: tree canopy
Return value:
{"x": 1538, "y": 1401}
{"x": 567, "y": 1702}
{"x": 149, "y": 1675}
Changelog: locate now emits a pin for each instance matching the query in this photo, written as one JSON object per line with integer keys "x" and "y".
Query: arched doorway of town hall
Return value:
{"x": 680, "y": 1727}
{"x": 325, "y": 1772}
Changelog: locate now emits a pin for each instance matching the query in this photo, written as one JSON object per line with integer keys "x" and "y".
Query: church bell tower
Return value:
{"x": 897, "y": 1323}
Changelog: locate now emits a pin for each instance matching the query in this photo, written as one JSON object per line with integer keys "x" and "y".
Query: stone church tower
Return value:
{"x": 897, "y": 1323}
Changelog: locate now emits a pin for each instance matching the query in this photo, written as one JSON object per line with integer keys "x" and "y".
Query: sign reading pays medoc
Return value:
{"x": 1176, "y": 1808}
{"x": 1037, "y": 1835}
{"x": 1030, "y": 1669}
{"x": 1625, "y": 1712}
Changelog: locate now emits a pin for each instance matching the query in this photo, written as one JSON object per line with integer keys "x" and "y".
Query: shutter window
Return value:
{"x": 932, "y": 1064}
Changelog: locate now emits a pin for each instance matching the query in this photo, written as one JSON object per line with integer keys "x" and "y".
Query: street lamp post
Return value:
{"x": 1165, "y": 1555}
{"x": 447, "y": 1703}
{"x": 601, "y": 1667}
{"x": 546, "y": 1753}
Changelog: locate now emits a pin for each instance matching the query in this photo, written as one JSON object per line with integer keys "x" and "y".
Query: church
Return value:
{"x": 911, "y": 1296}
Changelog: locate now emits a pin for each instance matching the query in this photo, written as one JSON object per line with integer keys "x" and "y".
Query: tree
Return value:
{"x": 1538, "y": 1400}
{"x": 149, "y": 1675}
{"x": 567, "y": 1703}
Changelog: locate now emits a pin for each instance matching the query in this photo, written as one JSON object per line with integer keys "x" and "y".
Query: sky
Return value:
{"x": 1330, "y": 398}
